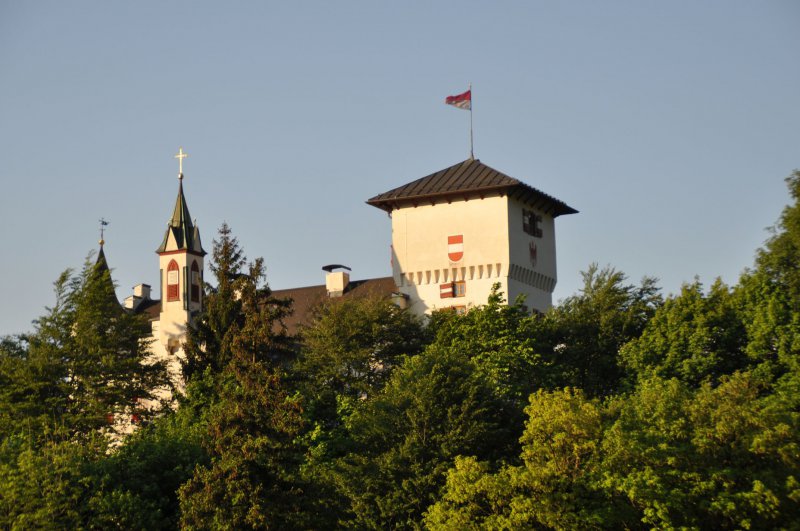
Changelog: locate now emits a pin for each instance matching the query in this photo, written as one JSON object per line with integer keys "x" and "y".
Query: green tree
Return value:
{"x": 499, "y": 338}
{"x": 136, "y": 486}
{"x": 717, "y": 457}
{"x": 769, "y": 295}
{"x": 555, "y": 487}
{"x": 692, "y": 337}
{"x": 581, "y": 337}
{"x": 352, "y": 345}
{"x": 239, "y": 314}
{"x": 47, "y": 484}
{"x": 434, "y": 408}
{"x": 86, "y": 366}
{"x": 348, "y": 352}
{"x": 33, "y": 388}
{"x": 252, "y": 481}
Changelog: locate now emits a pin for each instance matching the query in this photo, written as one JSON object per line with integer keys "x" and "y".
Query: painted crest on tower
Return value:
{"x": 455, "y": 247}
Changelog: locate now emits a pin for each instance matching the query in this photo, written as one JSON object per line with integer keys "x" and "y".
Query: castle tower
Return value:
{"x": 460, "y": 230}
{"x": 180, "y": 258}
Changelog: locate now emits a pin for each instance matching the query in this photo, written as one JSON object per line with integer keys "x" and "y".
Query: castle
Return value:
{"x": 455, "y": 233}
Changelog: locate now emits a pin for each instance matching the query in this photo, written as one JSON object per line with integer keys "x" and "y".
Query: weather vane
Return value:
{"x": 180, "y": 156}
{"x": 103, "y": 225}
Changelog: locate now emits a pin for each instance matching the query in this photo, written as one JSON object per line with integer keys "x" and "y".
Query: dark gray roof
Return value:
{"x": 467, "y": 179}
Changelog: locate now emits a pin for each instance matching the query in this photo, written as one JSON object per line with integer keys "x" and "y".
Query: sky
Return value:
{"x": 670, "y": 126}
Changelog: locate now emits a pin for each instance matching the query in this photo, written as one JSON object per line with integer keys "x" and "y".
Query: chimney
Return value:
{"x": 336, "y": 281}
{"x": 130, "y": 302}
{"x": 142, "y": 291}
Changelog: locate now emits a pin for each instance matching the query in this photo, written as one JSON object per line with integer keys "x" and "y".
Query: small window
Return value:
{"x": 195, "y": 282}
{"x": 531, "y": 223}
{"x": 460, "y": 310}
{"x": 459, "y": 288}
{"x": 173, "y": 282}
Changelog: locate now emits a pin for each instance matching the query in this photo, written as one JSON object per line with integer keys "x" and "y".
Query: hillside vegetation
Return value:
{"x": 617, "y": 409}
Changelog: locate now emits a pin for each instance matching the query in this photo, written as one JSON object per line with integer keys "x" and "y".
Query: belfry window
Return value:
{"x": 195, "y": 282}
{"x": 173, "y": 282}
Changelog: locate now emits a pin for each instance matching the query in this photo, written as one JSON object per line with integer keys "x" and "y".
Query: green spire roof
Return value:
{"x": 185, "y": 236}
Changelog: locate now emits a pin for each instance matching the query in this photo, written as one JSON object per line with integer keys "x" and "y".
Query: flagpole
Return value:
{"x": 471, "y": 150}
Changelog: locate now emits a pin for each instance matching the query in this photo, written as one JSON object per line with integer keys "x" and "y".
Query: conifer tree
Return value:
{"x": 252, "y": 481}
{"x": 87, "y": 366}
{"x": 239, "y": 314}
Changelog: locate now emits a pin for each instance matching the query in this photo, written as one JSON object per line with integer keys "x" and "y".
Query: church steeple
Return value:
{"x": 180, "y": 258}
{"x": 181, "y": 234}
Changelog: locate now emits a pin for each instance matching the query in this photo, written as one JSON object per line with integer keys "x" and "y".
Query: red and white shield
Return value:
{"x": 455, "y": 247}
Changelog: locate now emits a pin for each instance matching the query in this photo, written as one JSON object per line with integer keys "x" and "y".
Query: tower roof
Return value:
{"x": 464, "y": 180}
{"x": 181, "y": 234}
{"x": 102, "y": 273}
{"x": 101, "y": 264}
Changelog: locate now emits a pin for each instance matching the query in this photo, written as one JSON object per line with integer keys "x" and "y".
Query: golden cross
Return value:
{"x": 180, "y": 156}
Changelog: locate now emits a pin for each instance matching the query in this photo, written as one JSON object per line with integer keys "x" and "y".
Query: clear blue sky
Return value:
{"x": 669, "y": 125}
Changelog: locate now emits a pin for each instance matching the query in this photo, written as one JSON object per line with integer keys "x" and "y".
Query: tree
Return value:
{"x": 136, "y": 486}
{"x": 556, "y": 486}
{"x": 582, "y": 336}
{"x": 86, "y": 366}
{"x": 434, "y": 408}
{"x": 352, "y": 345}
{"x": 769, "y": 295}
{"x": 716, "y": 457}
{"x": 47, "y": 484}
{"x": 239, "y": 314}
{"x": 693, "y": 337}
{"x": 501, "y": 342}
{"x": 348, "y": 352}
{"x": 252, "y": 480}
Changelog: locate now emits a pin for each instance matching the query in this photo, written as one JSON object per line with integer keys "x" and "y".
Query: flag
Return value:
{"x": 462, "y": 101}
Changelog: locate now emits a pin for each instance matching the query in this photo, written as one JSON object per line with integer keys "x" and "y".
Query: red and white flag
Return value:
{"x": 462, "y": 101}
{"x": 455, "y": 247}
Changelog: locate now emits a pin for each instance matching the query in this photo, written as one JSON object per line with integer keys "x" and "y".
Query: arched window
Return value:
{"x": 173, "y": 282}
{"x": 195, "y": 282}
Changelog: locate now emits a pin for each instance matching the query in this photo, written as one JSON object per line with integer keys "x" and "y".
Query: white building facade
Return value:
{"x": 459, "y": 231}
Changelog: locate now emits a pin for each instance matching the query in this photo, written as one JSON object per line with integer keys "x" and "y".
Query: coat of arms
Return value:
{"x": 455, "y": 247}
